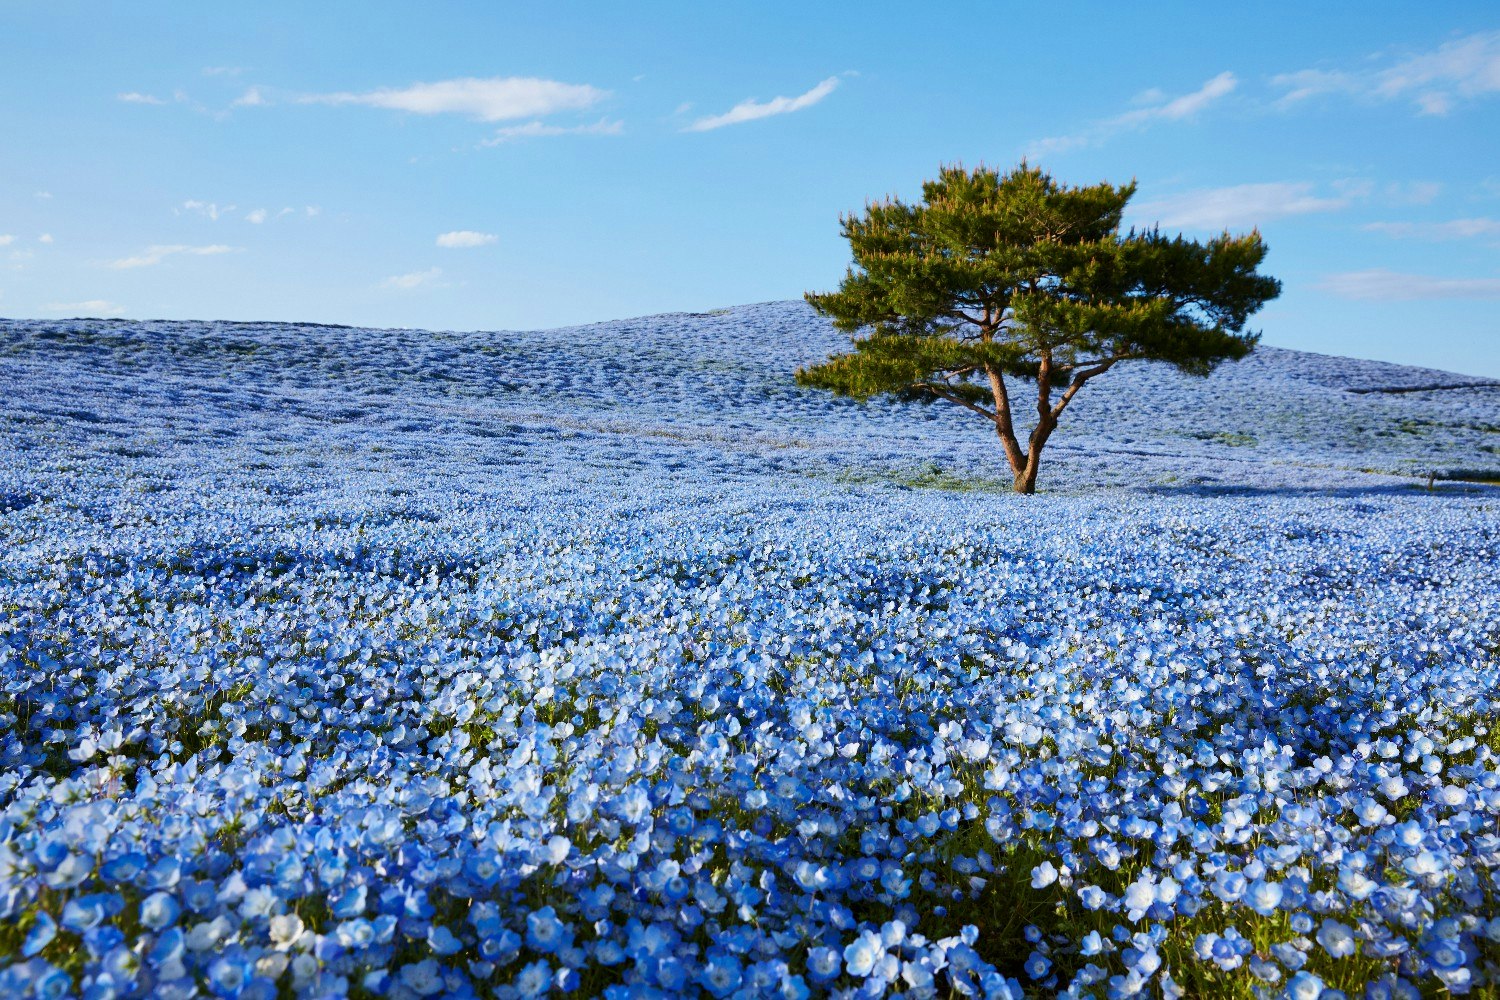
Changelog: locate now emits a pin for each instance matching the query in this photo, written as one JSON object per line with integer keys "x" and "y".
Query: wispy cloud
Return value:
{"x": 44, "y": 238}
{"x": 154, "y": 255}
{"x": 750, "y": 110}
{"x": 6, "y": 239}
{"x": 510, "y": 133}
{"x": 1392, "y": 193}
{"x": 1435, "y": 81}
{"x": 208, "y": 209}
{"x": 1237, "y": 205}
{"x": 489, "y": 99}
{"x": 1387, "y": 286}
{"x": 416, "y": 279}
{"x": 464, "y": 238}
{"x": 252, "y": 98}
{"x": 133, "y": 97}
{"x": 1159, "y": 109}
{"x": 1453, "y": 229}
{"x": 89, "y": 307}
{"x": 256, "y": 217}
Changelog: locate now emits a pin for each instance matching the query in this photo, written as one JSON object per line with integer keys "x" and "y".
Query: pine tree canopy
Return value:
{"x": 1014, "y": 275}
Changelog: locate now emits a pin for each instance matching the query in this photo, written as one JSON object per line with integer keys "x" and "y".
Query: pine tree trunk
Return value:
{"x": 1025, "y": 480}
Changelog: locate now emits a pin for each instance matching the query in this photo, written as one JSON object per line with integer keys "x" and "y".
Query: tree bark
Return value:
{"x": 1003, "y": 425}
{"x": 1046, "y": 422}
{"x": 1025, "y": 480}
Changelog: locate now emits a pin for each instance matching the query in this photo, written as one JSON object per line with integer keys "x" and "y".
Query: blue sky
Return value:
{"x": 504, "y": 166}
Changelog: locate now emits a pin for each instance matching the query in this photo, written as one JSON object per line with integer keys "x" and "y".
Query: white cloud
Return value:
{"x": 312, "y": 210}
{"x": 257, "y": 217}
{"x": 207, "y": 209}
{"x": 43, "y": 195}
{"x": 533, "y": 129}
{"x": 491, "y": 99}
{"x": 1454, "y": 229}
{"x": 1415, "y": 193}
{"x": 251, "y": 98}
{"x": 1238, "y": 205}
{"x": 154, "y": 255}
{"x": 416, "y": 279}
{"x": 1393, "y": 193}
{"x": 90, "y": 307}
{"x": 1305, "y": 83}
{"x": 462, "y": 238}
{"x": 137, "y": 98}
{"x": 1187, "y": 105}
{"x": 1158, "y": 108}
{"x": 1434, "y": 81}
{"x": 1386, "y": 286}
{"x": 6, "y": 239}
{"x": 44, "y": 238}
{"x": 750, "y": 110}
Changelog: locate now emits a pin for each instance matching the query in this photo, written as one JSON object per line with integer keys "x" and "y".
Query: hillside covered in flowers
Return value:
{"x": 606, "y": 661}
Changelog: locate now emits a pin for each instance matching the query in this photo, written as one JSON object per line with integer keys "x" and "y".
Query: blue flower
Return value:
{"x": 1336, "y": 938}
{"x": 545, "y": 932}
{"x": 1304, "y": 986}
{"x": 43, "y": 930}
{"x": 159, "y": 910}
{"x": 823, "y": 964}
{"x": 863, "y": 954}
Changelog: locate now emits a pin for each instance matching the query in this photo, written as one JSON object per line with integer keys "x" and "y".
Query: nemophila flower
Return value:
{"x": 1131, "y": 984}
{"x": 1264, "y": 970}
{"x": 425, "y": 978}
{"x": 1422, "y": 864}
{"x": 1229, "y": 886}
{"x": 43, "y": 930}
{"x": 863, "y": 954}
{"x": 1410, "y": 834}
{"x": 1356, "y": 884}
{"x": 1391, "y": 988}
{"x": 1336, "y": 938}
{"x": 721, "y": 974}
{"x": 51, "y": 983}
{"x": 443, "y": 942}
{"x": 1304, "y": 986}
{"x": 545, "y": 932}
{"x": 285, "y": 930}
{"x": 1264, "y": 897}
{"x": 229, "y": 974}
{"x": 823, "y": 964}
{"x": 1289, "y": 955}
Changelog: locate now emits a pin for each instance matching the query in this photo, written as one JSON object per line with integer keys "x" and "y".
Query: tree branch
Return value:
{"x": 1079, "y": 378}
{"x": 942, "y": 391}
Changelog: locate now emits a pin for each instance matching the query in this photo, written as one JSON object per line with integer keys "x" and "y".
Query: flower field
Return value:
{"x": 607, "y": 662}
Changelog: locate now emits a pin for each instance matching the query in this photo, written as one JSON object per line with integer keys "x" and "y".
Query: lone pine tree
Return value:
{"x": 995, "y": 278}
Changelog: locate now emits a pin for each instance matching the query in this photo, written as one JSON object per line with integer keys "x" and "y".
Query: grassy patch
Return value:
{"x": 928, "y": 476}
